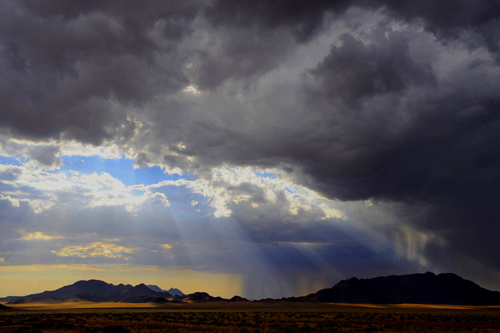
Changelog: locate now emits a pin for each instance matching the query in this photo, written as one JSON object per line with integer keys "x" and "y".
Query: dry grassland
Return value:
{"x": 247, "y": 317}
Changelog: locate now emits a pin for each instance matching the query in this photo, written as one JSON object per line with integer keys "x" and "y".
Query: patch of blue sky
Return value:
{"x": 265, "y": 174}
{"x": 291, "y": 191}
{"x": 122, "y": 169}
{"x": 8, "y": 160}
{"x": 137, "y": 193}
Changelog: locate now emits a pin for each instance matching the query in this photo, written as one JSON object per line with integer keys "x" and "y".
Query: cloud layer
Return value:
{"x": 376, "y": 122}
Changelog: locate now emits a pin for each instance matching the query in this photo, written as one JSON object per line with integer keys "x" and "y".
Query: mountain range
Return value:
{"x": 426, "y": 288}
{"x": 96, "y": 291}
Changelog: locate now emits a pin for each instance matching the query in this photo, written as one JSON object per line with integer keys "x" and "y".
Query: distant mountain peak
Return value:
{"x": 155, "y": 288}
{"x": 175, "y": 292}
{"x": 91, "y": 281}
{"x": 141, "y": 285}
{"x": 171, "y": 291}
{"x": 352, "y": 279}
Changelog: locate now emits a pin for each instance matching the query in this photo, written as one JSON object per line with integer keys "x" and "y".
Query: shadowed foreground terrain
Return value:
{"x": 245, "y": 318}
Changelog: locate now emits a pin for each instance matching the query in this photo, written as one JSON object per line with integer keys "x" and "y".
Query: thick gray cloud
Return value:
{"x": 447, "y": 19}
{"x": 302, "y": 19}
{"x": 451, "y": 19}
{"x": 356, "y": 71}
{"x": 389, "y": 101}
{"x": 243, "y": 54}
{"x": 62, "y": 64}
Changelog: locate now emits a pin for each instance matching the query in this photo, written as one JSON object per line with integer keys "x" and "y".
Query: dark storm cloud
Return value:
{"x": 449, "y": 19}
{"x": 62, "y": 63}
{"x": 242, "y": 55}
{"x": 391, "y": 144}
{"x": 302, "y": 18}
{"x": 355, "y": 70}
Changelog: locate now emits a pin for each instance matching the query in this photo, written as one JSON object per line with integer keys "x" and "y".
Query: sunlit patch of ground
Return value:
{"x": 80, "y": 305}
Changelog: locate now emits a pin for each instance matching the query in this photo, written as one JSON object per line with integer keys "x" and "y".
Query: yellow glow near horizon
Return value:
{"x": 25, "y": 280}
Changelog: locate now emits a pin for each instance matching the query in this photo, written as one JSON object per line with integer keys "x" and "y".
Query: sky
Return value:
{"x": 253, "y": 148}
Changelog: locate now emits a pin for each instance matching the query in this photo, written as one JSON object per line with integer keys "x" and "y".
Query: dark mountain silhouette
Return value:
{"x": 238, "y": 299}
{"x": 3, "y": 307}
{"x": 140, "y": 290}
{"x": 92, "y": 290}
{"x": 425, "y": 288}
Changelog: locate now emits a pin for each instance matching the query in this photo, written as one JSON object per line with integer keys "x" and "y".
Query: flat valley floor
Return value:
{"x": 250, "y": 317}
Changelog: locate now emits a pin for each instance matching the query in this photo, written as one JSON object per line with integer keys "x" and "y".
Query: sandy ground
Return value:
{"x": 250, "y": 317}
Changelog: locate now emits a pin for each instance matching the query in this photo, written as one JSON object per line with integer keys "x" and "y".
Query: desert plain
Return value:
{"x": 251, "y": 317}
